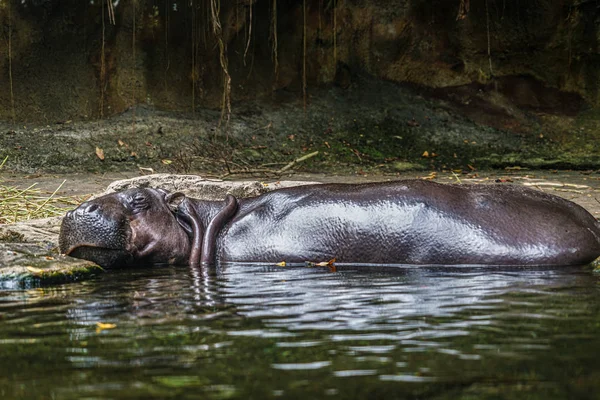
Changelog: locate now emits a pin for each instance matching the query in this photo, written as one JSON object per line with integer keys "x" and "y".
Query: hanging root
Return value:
{"x": 133, "y": 119}
{"x": 102, "y": 65}
{"x": 335, "y": 34}
{"x": 215, "y": 8}
{"x": 111, "y": 12}
{"x": 166, "y": 52}
{"x": 10, "y": 77}
{"x": 304, "y": 56}
{"x": 249, "y": 34}
{"x": 111, "y": 20}
{"x": 487, "y": 16}
{"x": 463, "y": 9}
{"x": 274, "y": 55}
{"x": 193, "y": 55}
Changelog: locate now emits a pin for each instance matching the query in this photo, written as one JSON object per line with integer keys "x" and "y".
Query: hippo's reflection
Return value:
{"x": 297, "y": 298}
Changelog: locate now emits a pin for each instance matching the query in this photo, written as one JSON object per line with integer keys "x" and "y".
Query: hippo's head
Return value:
{"x": 136, "y": 225}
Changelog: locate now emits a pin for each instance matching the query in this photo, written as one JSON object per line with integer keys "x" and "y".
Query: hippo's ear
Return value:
{"x": 183, "y": 215}
{"x": 174, "y": 199}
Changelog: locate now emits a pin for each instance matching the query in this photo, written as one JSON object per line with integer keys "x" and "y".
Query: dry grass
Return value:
{"x": 18, "y": 204}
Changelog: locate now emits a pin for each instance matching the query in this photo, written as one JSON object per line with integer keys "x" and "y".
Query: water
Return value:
{"x": 252, "y": 332}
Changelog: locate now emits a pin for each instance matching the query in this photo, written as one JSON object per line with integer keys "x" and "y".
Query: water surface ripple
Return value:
{"x": 261, "y": 332}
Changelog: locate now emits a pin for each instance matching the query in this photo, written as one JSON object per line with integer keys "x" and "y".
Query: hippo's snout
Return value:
{"x": 98, "y": 232}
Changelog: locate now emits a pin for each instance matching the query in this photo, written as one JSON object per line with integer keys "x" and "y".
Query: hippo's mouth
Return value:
{"x": 105, "y": 257}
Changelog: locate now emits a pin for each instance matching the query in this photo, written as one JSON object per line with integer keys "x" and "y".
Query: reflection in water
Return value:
{"x": 305, "y": 332}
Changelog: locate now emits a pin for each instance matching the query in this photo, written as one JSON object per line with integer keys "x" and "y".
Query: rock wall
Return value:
{"x": 73, "y": 59}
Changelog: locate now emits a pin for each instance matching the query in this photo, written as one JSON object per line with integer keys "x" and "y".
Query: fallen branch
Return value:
{"x": 267, "y": 126}
{"x": 556, "y": 185}
{"x": 267, "y": 170}
{"x": 248, "y": 171}
{"x": 296, "y": 161}
{"x": 569, "y": 190}
{"x": 272, "y": 164}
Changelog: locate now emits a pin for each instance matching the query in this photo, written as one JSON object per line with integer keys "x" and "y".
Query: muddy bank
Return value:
{"x": 368, "y": 126}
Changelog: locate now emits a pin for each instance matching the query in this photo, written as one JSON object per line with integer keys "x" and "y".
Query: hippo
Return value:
{"x": 407, "y": 222}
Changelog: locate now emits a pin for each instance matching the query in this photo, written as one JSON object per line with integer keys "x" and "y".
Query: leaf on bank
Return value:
{"x": 432, "y": 175}
{"x": 100, "y": 153}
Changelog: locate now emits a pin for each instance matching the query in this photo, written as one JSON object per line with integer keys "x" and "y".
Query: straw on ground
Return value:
{"x": 17, "y": 204}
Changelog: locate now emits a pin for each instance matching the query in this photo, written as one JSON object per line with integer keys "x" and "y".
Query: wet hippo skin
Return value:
{"x": 404, "y": 222}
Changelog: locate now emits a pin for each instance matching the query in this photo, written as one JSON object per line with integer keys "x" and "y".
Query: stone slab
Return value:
{"x": 201, "y": 188}
{"x": 25, "y": 265}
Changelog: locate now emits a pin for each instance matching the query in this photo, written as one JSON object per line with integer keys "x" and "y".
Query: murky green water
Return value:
{"x": 254, "y": 333}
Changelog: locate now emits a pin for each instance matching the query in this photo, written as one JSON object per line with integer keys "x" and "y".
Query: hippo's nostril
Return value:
{"x": 69, "y": 214}
{"x": 92, "y": 208}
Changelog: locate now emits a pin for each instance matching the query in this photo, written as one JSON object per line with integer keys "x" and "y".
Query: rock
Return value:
{"x": 201, "y": 188}
{"x": 25, "y": 265}
{"x": 43, "y": 230}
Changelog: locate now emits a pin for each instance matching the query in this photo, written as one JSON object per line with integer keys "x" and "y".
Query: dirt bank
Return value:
{"x": 369, "y": 126}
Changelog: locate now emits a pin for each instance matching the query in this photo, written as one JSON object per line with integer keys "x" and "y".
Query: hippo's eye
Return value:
{"x": 138, "y": 202}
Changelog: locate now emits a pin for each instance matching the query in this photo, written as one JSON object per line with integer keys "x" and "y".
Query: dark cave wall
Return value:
{"x": 164, "y": 52}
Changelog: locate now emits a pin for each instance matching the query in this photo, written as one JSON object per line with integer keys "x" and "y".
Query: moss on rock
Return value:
{"x": 25, "y": 265}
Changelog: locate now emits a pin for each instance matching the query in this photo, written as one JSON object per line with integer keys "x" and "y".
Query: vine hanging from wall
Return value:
{"x": 10, "y": 75}
{"x": 215, "y": 9}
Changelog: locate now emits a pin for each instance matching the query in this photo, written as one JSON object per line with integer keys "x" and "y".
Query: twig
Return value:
{"x": 267, "y": 126}
{"x": 296, "y": 161}
{"x": 556, "y": 184}
{"x": 568, "y": 190}
{"x": 227, "y": 165}
{"x": 267, "y": 170}
{"x": 456, "y": 177}
{"x": 248, "y": 171}
{"x": 272, "y": 164}
{"x": 49, "y": 198}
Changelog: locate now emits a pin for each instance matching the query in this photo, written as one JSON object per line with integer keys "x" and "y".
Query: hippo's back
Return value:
{"x": 412, "y": 222}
